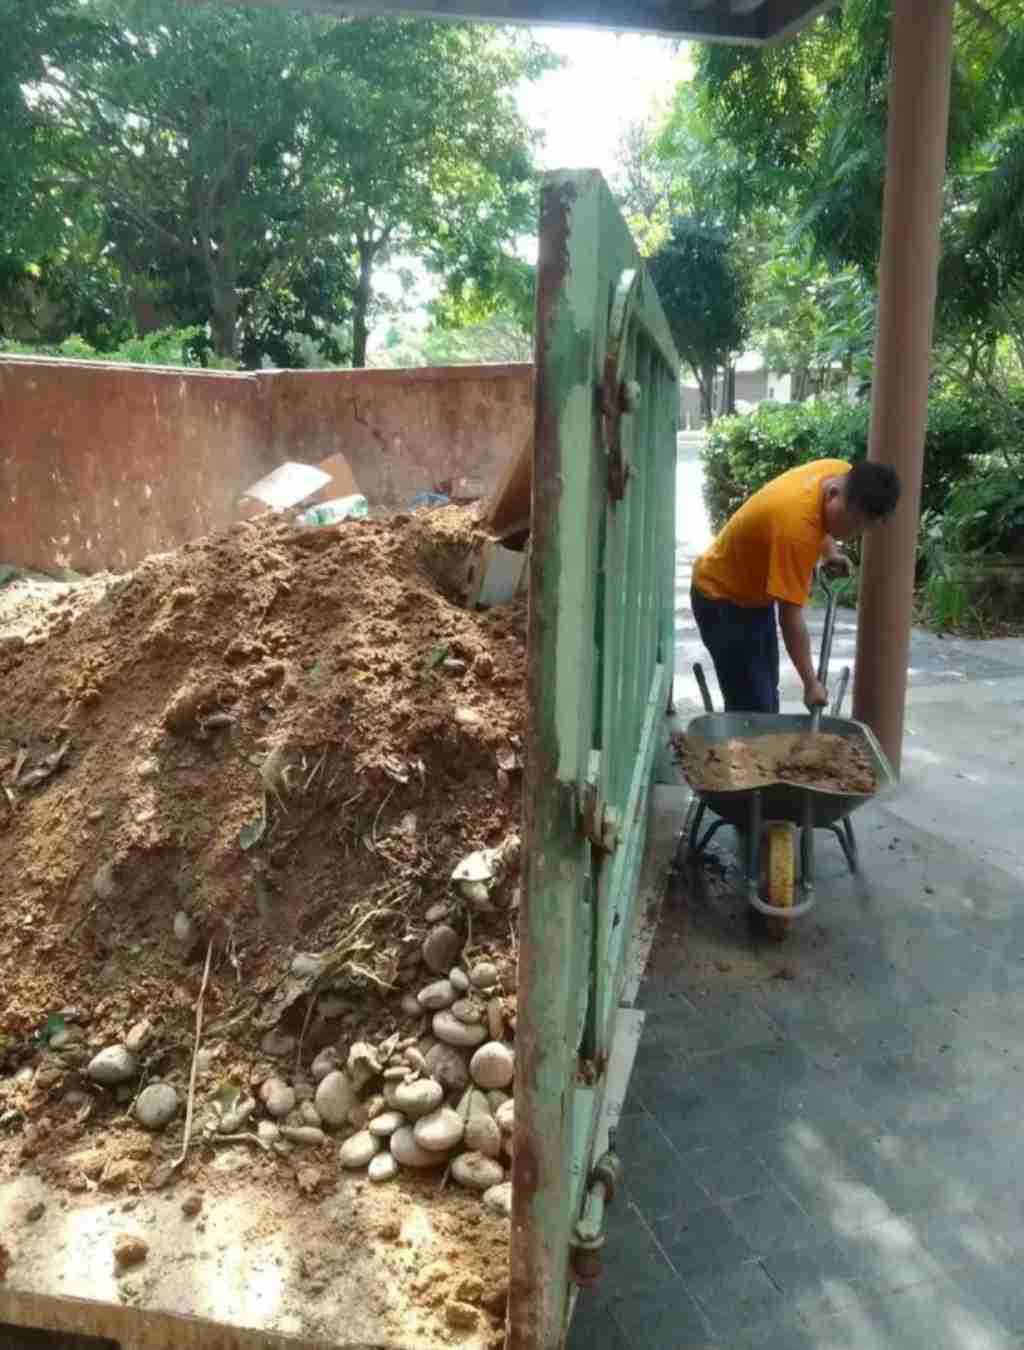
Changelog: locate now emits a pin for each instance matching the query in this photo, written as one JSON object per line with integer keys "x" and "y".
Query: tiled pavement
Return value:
{"x": 822, "y": 1140}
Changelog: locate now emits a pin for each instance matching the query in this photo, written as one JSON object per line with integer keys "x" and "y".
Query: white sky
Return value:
{"x": 609, "y": 81}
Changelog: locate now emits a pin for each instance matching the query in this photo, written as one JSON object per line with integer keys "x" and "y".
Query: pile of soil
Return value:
{"x": 832, "y": 763}
{"x": 272, "y": 742}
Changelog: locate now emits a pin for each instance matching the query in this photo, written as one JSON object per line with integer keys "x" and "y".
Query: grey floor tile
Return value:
{"x": 669, "y": 1319}
{"x": 959, "y": 1240}
{"x": 633, "y": 1257}
{"x": 772, "y": 1221}
{"x": 935, "y": 1316}
{"x": 656, "y": 1178}
{"x": 999, "y": 1289}
{"x": 787, "y": 1331}
{"x": 705, "y": 1241}
{"x": 814, "y": 1280}
{"x": 729, "y": 1171}
{"x": 890, "y": 1256}
{"x": 736, "y": 1300}
{"x": 689, "y": 1118}
{"x": 593, "y": 1325}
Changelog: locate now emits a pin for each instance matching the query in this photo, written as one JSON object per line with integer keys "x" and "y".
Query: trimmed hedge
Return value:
{"x": 744, "y": 453}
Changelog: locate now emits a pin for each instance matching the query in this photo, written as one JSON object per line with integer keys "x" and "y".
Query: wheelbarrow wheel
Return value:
{"x": 778, "y": 876}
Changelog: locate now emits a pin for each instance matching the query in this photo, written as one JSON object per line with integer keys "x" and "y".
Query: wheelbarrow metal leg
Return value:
{"x": 754, "y": 846}
{"x": 807, "y": 848}
{"x": 844, "y": 833}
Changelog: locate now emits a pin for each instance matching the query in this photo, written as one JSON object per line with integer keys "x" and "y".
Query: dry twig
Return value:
{"x": 190, "y": 1108}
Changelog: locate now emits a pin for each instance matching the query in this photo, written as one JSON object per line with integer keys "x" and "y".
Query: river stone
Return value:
{"x": 411, "y": 1006}
{"x": 357, "y": 1151}
{"x": 157, "y": 1106}
{"x": 310, "y": 1115}
{"x": 384, "y": 1125}
{"x": 326, "y": 1062}
{"x": 499, "y": 1198}
{"x": 440, "y": 1130}
{"x": 278, "y": 1097}
{"x": 436, "y": 913}
{"x": 139, "y": 1036}
{"x": 440, "y": 948}
{"x": 474, "y": 1103}
{"x": 182, "y": 927}
{"x": 437, "y": 996}
{"x": 484, "y": 975}
{"x": 506, "y": 1117}
{"x": 335, "y": 1098}
{"x": 266, "y": 1129}
{"x": 493, "y": 1066}
{"x": 415, "y": 1060}
{"x": 303, "y": 1134}
{"x": 417, "y": 1098}
{"x": 63, "y": 1040}
{"x": 277, "y": 1044}
{"x": 483, "y": 1136}
{"x": 453, "y": 1032}
{"x": 382, "y": 1167}
{"x": 477, "y": 1172}
{"x": 459, "y": 979}
{"x": 389, "y": 1089}
{"x": 405, "y": 1150}
{"x": 467, "y": 1011}
{"x": 114, "y": 1065}
{"x": 448, "y": 1065}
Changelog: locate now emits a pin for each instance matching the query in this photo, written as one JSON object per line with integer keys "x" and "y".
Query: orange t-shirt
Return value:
{"x": 768, "y": 549}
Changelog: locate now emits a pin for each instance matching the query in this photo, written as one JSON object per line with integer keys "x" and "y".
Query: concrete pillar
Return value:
{"x": 922, "y": 41}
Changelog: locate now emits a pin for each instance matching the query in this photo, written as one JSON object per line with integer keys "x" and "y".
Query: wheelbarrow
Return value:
{"x": 774, "y": 820}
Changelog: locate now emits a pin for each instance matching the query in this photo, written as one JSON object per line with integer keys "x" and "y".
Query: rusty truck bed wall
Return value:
{"x": 103, "y": 464}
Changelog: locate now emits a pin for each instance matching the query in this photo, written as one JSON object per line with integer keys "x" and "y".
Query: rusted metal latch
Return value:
{"x": 619, "y": 395}
{"x": 588, "y": 1245}
{"x": 600, "y": 821}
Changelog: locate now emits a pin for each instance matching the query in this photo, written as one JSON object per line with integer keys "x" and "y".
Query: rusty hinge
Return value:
{"x": 619, "y": 396}
{"x": 589, "y": 1239}
{"x": 601, "y": 823}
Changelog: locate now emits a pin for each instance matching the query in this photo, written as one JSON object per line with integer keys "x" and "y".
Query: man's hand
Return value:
{"x": 837, "y": 565}
{"x": 815, "y": 695}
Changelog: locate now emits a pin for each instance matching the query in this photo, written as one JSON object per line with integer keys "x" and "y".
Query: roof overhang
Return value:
{"x": 750, "y": 22}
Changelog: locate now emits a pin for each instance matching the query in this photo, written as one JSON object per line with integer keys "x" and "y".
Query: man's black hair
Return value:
{"x": 872, "y": 489}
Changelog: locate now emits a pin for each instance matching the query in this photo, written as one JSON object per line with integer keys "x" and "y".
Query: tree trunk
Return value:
{"x": 730, "y": 390}
{"x": 361, "y": 305}
{"x": 224, "y": 321}
{"x": 706, "y": 381}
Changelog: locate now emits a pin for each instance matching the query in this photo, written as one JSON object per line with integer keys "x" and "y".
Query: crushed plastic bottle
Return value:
{"x": 339, "y": 508}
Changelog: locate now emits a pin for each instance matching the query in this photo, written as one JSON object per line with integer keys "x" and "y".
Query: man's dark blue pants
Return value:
{"x": 744, "y": 645}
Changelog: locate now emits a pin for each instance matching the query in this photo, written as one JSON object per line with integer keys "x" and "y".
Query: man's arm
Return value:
{"x": 798, "y": 644}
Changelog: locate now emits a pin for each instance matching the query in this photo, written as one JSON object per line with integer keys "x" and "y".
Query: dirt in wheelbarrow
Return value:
{"x": 832, "y": 763}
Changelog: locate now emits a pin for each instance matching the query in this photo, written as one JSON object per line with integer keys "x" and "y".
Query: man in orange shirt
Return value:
{"x": 765, "y": 556}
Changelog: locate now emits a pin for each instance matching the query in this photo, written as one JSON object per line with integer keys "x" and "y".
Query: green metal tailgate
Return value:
{"x": 600, "y": 679}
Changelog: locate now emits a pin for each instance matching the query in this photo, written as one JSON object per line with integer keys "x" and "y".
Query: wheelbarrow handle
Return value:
{"x": 825, "y": 655}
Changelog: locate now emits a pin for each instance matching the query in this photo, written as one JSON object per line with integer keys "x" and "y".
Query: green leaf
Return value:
{"x": 251, "y": 834}
{"x": 438, "y": 655}
{"x": 53, "y": 1024}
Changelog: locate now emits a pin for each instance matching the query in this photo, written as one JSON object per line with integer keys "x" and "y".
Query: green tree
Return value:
{"x": 705, "y": 296}
{"x": 254, "y": 168}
